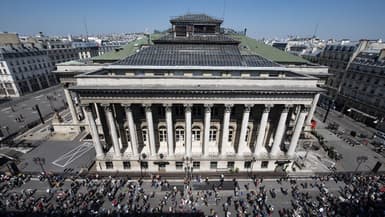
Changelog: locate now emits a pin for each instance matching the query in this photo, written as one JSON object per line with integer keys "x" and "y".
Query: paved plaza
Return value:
{"x": 58, "y": 156}
{"x": 18, "y": 113}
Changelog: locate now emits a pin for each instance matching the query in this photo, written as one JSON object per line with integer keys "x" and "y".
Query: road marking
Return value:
{"x": 72, "y": 155}
{"x": 37, "y": 97}
{"x": 5, "y": 109}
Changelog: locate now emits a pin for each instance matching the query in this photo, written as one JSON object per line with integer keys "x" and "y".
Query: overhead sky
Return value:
{"x": 353, "y": 19}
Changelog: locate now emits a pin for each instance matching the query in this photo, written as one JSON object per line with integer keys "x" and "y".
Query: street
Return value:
{"x": 17, "y": 114}
{"x": 205, "y": 199}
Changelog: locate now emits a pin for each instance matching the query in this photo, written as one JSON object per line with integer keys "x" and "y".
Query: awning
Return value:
{"x": 363, "y": 113}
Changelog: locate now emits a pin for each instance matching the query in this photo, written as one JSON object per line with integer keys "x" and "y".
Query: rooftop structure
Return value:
{"x": 195, "y": 99}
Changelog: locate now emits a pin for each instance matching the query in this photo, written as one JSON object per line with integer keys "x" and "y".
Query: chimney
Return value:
{"x": 148, "y": 38}
{"x": 364, "y": 43}
{"x": 381, "y": 56}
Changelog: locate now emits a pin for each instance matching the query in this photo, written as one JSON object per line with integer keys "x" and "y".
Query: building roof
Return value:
{"x": 195, "y": 18}
{"x": 197, "y": 39}
{"x": 125, "y": 51}
{"x": 251, "y": 46}
{"x": 194, "y": 55}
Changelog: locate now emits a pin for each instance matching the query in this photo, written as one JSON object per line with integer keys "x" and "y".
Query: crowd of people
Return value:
{"x": 358, "y": 195}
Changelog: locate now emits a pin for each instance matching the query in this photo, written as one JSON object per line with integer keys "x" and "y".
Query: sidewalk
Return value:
{"x": 349, "y": 152}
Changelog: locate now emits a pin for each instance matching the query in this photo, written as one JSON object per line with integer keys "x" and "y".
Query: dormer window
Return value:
{"x": 180, "y": 31}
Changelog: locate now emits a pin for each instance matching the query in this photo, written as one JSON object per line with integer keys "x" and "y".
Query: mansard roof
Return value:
{"x": 194, "y": 55}
{"x": 197, "y": 39}
{"x": 195, "y": 18}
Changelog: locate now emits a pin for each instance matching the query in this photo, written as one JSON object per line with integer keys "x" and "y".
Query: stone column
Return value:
{"x": 94, "y": 132}
{"x": 207, "y": 129}
{"x": 297, "y": 132}
{"x": 225, "y": 130}
{"x": 279, "y": 132}
{"x": 150, "y": 126}
{"x": 188, "y": 137}
{"x": 71, "y": 105}
{"x": 131, "y": 128}
{"x": 312, "y": 109}
{"x": 97, "y": 112}
{"x": 242, "y": 146}
{"x": 170, "y": 136}
{"x": 259, "y": 148}
{"x": 112, "y": 128}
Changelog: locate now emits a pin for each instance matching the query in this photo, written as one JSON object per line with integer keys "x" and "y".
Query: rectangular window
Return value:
{"x": 179, "y": 165}
{"x": 178, "y": 73}
{"x": 109, "y": 165}
{"x": 139, "y": 73}
{"x": 144, "y": 135}
{"x": 212, "y": 134}
{"x": 196, "y": 165}
{"x": 197, "y": 73}
{"x": 213, "y": 165}
{"x": 162, "y": 135}
{"x": 126, "y": 165}
{"x": 144, "y": 165}
{"x": 196, "y": 134}
{"x": 231, "y": 134}
{"x": 264, "y": 164}
{"x": 217, "y": 74}
{"x": 230, "y": 165}
{"x": 247, "y": 165}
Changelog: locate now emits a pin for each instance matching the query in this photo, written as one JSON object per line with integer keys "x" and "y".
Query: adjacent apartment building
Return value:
{"x": 23, "y": 68}
{"x": 358, "y": 82}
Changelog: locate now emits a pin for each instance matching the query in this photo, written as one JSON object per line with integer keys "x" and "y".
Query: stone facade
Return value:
{"x": 194, "y": 103}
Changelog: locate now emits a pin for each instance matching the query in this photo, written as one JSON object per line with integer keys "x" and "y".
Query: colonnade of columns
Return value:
{"x": 226, "y": 148}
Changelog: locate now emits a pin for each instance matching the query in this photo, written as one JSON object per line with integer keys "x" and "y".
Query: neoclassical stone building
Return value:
{"x": 195, "y": 101}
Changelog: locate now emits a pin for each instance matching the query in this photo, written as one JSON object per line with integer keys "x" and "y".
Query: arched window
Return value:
{"x": 196, "y": 134}
{"x": 231, "y": 134}
{"x": 213, "y": 134}
{"x": 179, "y": 134}
{"x": 162, "y": 134}
{"x": 145, "y": 134}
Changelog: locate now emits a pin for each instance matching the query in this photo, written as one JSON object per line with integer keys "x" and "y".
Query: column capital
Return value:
{"x": 228, "y": 107}
{"x": 168, "y": 107}
{"x": 106, "y": 107}
{"x": 267, "y": 108}
{"x": 87, "y": 107}
{"x": 305, "y": 108}
{"x": 208, "y": 107}
{"x": 286, "y": 107}
{"x": 127, "y": 107}
{"x": 248, "y": 107}
{"x": 187, "y": 107}
{"x": 147, "y": 107}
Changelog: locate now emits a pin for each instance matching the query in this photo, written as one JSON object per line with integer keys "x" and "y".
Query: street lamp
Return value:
{"x": 188, "y": 169}
{"x": 331, "y": 103}
{"x": 360, "y": 160}
{"x": 142, "y": 156}
{"x": 40, "y": 161}
{"x": 251, "y": 167}
{"x": 49, "y": 98}
{"x": 7, "y": 129}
